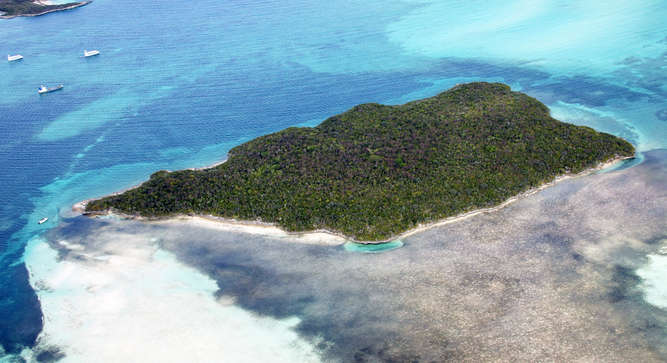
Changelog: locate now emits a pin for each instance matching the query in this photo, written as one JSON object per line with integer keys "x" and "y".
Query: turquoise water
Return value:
{"x": 372, "y": 248}
{"x": 178, "y": 85}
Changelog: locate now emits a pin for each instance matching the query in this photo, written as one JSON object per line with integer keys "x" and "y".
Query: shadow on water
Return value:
{"x": 625, "y": 283}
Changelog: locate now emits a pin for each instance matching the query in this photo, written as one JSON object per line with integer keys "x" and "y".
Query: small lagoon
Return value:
{"x": 372, "y": 247}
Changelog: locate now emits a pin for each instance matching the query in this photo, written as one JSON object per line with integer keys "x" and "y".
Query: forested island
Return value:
{"x": 14, "y": 8}
{"x": 376, "y": 171}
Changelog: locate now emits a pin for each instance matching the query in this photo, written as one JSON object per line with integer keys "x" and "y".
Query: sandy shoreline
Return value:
{"x": 327, "y": 237}
{"x": 210, "y": 166}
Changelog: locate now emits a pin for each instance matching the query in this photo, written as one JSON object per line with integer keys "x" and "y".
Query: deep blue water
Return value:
{"x": 177, "y": 85}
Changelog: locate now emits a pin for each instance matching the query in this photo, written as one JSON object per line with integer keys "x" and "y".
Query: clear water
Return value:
{"x": 177, "y": 85}
{"x": 372, "y": 248}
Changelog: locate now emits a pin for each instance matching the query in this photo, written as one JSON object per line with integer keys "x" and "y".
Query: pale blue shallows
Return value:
{"x": 178, "y": 84}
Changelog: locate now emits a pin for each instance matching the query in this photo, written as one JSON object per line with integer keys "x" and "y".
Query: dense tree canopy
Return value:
{"x": 30, "y": 7}
{"x": 375, "y": 171}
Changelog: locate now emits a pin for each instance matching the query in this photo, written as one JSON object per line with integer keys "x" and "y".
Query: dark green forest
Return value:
{"x": 29, "y": 7}
{"x": 376, "y": 171}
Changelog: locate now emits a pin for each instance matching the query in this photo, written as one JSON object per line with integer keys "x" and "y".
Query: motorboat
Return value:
{"x": 12, "y": 58}
{"x": 43, "y": 89}
{"x": 43, "y": 220}
{"x": 90, "y": 53}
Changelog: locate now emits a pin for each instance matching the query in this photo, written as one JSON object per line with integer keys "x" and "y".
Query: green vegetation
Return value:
{"x": 12, "y": 8}
{"x": 375, "y": 171}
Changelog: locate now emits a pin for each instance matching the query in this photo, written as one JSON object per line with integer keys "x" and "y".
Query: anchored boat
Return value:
{"x": 90, "y": 53}
{"x": 12, "y": 58}
{"x": 43, "y": 220}
{"x": 43, "y": 89}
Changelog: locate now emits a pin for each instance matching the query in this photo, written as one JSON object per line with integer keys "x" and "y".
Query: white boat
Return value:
{"x": 90, "y": 53}
{"x": 43, "y": 220}
{"x": 11, "y": 58}
{"x": 43, "y": 89}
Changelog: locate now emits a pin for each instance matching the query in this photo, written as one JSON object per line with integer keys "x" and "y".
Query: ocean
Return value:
{"x": 177, "y": 85}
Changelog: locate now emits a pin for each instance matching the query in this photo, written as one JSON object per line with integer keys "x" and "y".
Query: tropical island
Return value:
{"x": 376, "y": 171}
{"x": 14, "y": 8}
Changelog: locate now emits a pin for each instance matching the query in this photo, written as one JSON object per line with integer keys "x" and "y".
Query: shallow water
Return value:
{"x": 556, "y": 266}
{"x": 181, "y": 87}
{"x": 372, "y": 248}
{"x": 127, "y": 300}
